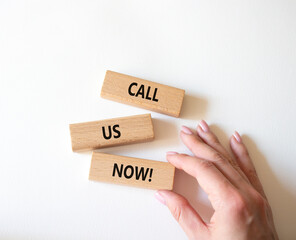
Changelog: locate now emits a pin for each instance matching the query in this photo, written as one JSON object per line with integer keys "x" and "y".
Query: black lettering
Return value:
{"x": 116, "y": 131}
{"x": 119, "y": 172}
{"x": 154, "y": 96}
{"x": 104, "y": 133}
{"x": 131, "y": 173}
{"x": 141, "y": 172}
{"x": 150, "y": 175}
{"x": 147, "y": 94}
{"x": 130, "y": 88}
{"x": 140, "y": 91}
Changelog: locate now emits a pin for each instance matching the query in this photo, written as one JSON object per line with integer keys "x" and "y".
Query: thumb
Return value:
{"x": 183, "y": 212}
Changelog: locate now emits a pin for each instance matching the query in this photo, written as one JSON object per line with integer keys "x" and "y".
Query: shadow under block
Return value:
{"x": 131, "y": 171}
{"x": 111, "y": 132}
{"x": 142, "y": 93}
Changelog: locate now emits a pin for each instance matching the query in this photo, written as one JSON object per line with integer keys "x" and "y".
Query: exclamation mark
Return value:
{"x": 150, "y": 174}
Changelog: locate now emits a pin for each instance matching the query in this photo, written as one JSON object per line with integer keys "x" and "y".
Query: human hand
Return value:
{"x": 233, "y": 187}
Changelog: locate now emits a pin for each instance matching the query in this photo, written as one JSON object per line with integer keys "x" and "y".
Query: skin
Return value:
{"x": 241, "y": 209}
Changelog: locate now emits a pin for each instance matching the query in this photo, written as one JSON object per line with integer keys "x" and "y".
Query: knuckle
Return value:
{"x": 252, "y": 175}
{"x": 205, "y": 164}
{"x": 235, "y": 166}
{"x": 238, "y": 205}
{"x": 178, "y": 209}
{"x": 218, "y": 158}
{"x": 177, "y": 213}
{"x": 233, "y": 163}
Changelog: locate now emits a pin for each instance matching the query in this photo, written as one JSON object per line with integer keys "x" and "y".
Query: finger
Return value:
{"x": 186, "y": 216}
{"x": 244, "y": 161}
{"x": 211, "y": 139}
{"x": 195, "y": 144}
{"x": 212, "y": 181}
{"x": 205, "y": 133}
{"x": 204, "y": 151}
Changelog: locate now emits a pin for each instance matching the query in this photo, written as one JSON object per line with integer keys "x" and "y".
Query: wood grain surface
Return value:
{"x": 111, "y": 132}
{"x": 142, "y": 93}
{"x": 131, "y": 171}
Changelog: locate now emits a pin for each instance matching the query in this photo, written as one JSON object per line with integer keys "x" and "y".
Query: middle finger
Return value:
{"x": 204, "y": 151}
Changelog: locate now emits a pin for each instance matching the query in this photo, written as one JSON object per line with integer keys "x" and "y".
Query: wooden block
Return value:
{"x": 131, "y": 171}
{"x": 142, "y": 93}
{"x": 111, "y": 132}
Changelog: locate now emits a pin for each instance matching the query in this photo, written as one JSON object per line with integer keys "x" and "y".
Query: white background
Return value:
{"x": 235, "y": 59}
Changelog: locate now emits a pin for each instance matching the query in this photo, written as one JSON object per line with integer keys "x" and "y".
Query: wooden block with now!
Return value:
{"x": 131, "y": 171}
{"x": 142, "y": 93}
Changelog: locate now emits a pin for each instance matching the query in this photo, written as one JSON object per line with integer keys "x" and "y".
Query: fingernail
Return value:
{"x": 186, "y": 130}
{"x": 237, "y": 137}
{"x": 171, "y": 153}
{"x": 204, "y": 126}
{"x": 159, "y": 198}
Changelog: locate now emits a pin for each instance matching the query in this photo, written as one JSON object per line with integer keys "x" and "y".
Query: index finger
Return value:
{"x": 212, "y": 181}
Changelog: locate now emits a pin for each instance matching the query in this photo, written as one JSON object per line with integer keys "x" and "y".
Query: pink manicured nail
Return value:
{"x": 204, "y": 126}
{"x": 171, "y": 153}
{"x": 186, "y": 130}
{"x": 159, "y": 198}
{"x": 237, "y": 137}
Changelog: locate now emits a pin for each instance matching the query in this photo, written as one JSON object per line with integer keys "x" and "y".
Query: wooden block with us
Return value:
{"x": 142, "y": 93}
{"x": 111, "y": 132}
{"x": 131, "y": 171}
